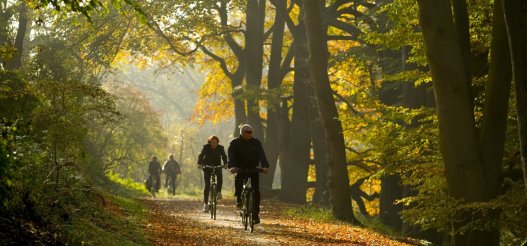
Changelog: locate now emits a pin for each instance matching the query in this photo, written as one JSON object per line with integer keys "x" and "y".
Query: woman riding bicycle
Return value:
{"x": 211, "y": 155}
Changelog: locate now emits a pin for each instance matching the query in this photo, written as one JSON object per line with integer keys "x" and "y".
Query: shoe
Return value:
{"x": 205, "y": 208}
{"x": 257, "y": 219}
{"x": 218, "y": 196}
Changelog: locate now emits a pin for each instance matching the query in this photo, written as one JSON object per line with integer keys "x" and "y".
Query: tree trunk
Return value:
{"x": 320, "y": 150}
{"x": 466, "y": 175}
{"x": 496, "y": 105}
{"x": 462, "y": 30}
{"x": 16, "y": 60}
{"x": 254, "y": 56}
{"x": 272, "y": 132}
{"x": 240, "y": 115}
{"x": 517, "y": 31}
{"x": 294, "y": 187}
{"x": 338, "y": 184}
{"x": 391, "y": 190}
{"x": 283, "y": 156}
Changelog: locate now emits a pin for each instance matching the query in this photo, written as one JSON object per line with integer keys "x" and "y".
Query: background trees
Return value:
{"x": 339, "y": 92}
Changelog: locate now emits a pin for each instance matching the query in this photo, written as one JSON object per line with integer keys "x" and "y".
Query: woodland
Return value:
{"x": 408, "y": 117}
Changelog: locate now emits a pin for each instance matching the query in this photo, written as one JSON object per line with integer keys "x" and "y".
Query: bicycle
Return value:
{"x": 153, "y": 185}
{"x": 171, "y": 187}
{"x": 213, "y": 191}
{"x": 248, "y": 208}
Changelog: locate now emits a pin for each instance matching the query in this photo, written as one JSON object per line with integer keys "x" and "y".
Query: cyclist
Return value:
{"x": 154, "y": 170}
{"x": 247, "y": 152}
{"x": 211, "y": 155}
{"x": 171, "y": 168}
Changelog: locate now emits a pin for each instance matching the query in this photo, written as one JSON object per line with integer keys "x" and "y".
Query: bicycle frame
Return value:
{"x": 213, "y": 192}
{"x": 248, "y": 210}
{"x": 171, "y": 188}
{"x": 153, "y": 185}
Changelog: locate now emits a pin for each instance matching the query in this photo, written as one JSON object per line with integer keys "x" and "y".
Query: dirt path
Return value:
{"x": 181, "y": 222}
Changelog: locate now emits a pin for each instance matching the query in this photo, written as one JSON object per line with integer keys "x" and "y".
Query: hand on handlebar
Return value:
{"x": 265, "y": 170}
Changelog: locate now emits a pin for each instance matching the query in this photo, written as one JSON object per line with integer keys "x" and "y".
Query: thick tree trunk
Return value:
{"x": 254, "y": 56}
{"x": 496, "y": 106}
{"x": 453, "y": 102}
{"x": 462, "y": 30}
{"x": 391, "y": 190}
{"x": 517, "y": 31}
{"x": 283, "y": 157}
{"x": 16, "y": 61}
{"x": 320, "y": 151}
{"x": 466, "y": 173}
{"x": 338, "y": 184}
{"x": 294, "y": 187}
{"x": 240, "y": 114}
{"x": 272, "y": 132}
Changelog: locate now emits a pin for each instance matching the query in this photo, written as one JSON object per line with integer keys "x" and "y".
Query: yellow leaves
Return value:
{"x": 215, "y": 101}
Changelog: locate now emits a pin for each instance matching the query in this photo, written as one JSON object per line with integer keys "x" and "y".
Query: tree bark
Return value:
{"x": 467, "y": 174}
{"x": 295, "y": 186}
{"x": 320, "y": 150}
{"x": 255, "y": 15}
{"x": 496, "y": 105}
{"x": 272, "y": 130}
{"x": 16, "y": 60}
{"x": 338, "y": 184}
{"x": 517, "y": 32}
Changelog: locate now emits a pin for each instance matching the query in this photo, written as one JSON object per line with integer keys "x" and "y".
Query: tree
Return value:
{"x": 469, "y": 174}
{"x": 517, "y": 34}
{"x": 340, "y": 198}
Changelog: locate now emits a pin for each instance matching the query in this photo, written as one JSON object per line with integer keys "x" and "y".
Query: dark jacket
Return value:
{"x": 154, "y": 168}
{"x": 246, "y": 153}
{"x": 212, "y": 157}
{"x": 171, "y": 167}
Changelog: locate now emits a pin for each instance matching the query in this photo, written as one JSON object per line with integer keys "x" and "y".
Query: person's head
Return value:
{"x": 171, "y": 157}
{"x": 213, "y": 141}
{"x": 246, "y": 131}
{"x": 154, "y": 158}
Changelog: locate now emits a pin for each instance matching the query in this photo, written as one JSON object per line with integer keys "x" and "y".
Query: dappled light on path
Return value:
{"x": 181, "y": 221}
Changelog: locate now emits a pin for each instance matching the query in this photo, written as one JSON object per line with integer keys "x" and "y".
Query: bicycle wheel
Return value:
{"x": 153, "y": 187}
{"x": 250, "y": 210}
{"x": 212, "y": 201}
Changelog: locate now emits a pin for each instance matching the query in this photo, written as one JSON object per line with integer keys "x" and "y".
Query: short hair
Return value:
{"x": 154, "y": 157}
{"x": 171, "y": 155}
{"x": 212, "y": 138}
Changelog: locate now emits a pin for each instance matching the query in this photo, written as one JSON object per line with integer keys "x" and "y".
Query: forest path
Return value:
{"x": 180, "y": 221}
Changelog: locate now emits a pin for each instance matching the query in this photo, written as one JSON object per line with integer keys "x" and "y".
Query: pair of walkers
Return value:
{"x": 244, "y": 152}
{"x": 171, "y": 168}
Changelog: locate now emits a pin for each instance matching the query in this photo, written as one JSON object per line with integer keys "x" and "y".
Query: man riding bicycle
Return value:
{"x": 154, "y": 170}
{"x": 246, "y": 152}
{"x": 171, "y": 168}
{"x": 211, "y": 155}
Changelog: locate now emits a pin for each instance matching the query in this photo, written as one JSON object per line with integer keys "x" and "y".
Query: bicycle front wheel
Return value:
{"x": 213, "y": 200}
{"x": 250, "y": 210}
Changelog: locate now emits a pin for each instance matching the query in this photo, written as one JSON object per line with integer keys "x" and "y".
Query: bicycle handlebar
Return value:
{"x": 248, "y": 170}
{"x": 213, "y": 167}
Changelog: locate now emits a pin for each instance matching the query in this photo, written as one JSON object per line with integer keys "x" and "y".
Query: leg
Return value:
{"x": 255, "y": 182}
{"x": 238, "y": 184}
{"x": 219, "y": 179}
{"x": 206, "y": 190}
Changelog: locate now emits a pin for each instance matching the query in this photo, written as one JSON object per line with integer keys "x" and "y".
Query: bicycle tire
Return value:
{"x": 212, "y": 207}
{"x": 250, "y": 210}
{"x": 245, "y": 218}
{"x": 153, "y": 187}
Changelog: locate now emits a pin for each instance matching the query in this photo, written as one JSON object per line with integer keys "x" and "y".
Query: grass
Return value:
{"x": 113, "y": 219}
